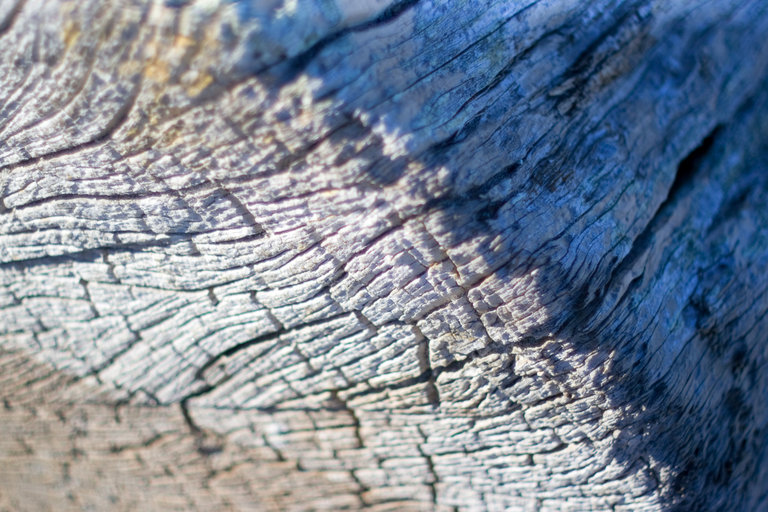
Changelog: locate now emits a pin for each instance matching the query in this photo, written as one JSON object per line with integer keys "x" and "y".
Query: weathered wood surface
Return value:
{"x": 413, "y": 255}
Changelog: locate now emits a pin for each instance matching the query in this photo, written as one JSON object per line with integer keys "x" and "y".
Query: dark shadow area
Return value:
{"x": 713, "y": 445}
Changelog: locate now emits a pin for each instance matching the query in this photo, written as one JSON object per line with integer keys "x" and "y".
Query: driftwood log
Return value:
{"x": 383, "y": 255}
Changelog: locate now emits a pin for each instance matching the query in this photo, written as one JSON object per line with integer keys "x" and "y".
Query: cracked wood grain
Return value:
{"x": 383, "y": 255}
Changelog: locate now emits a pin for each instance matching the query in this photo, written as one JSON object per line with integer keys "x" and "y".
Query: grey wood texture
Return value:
{"x": 409, "y": 255}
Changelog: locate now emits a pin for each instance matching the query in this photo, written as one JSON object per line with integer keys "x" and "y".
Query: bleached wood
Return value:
{"x": 386, "y": 255}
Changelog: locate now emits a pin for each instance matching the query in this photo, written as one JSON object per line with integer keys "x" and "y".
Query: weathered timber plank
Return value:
{"x": 384, "y": 255}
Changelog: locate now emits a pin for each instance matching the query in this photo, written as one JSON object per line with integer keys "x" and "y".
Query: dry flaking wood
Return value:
{"x": 409, "y": 255}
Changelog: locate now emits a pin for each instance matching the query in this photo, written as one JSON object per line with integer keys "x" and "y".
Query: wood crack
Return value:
{"x": 298, "y": 64}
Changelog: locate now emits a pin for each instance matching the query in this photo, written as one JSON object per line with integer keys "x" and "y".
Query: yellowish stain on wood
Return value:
{"x": 157, "y": 71}
{"x": 183, "y": 42}
{"x": 71, "y": 34}
{"x": 202, "y": 81}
